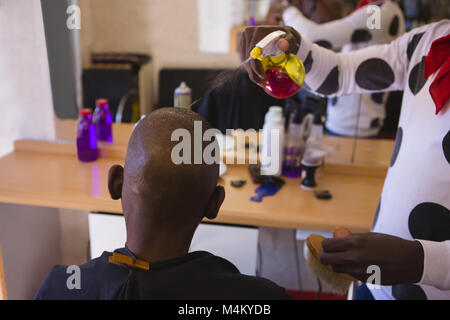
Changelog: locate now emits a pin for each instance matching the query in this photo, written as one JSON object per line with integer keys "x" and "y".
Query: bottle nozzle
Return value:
{"x": 256, "y": 53}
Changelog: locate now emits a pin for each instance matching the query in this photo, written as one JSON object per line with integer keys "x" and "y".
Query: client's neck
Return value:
{"x": 152, "y": 245}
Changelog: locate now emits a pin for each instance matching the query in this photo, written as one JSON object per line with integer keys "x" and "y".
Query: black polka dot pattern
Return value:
{"x": 417, "y": 77}
{"x": 331, "y": 83}
{"x": 374, "y": 74}
{"x": 361, "y": 35}
{"x": 408, "y": 292}
{"x": 398, "y": 143}
{"x": 393, "y": 27}
{"x": 375, "y": 123}
{"x": 377, "y": 97}
{"x": 413, "y": 44}
{"x": 430, "y": 221}
{"x": 334, "y": 100}
{"x": 308, "y": 62}
{"x": 377, "y": 212}
{"x": 446, "y": 146}
{"x": 324, "y": 44}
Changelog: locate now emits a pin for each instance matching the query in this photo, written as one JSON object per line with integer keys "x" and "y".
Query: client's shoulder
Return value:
{"x": 240, "y": 286}
{"x": 234, "y": 285}
{"x": 81, "y": 281}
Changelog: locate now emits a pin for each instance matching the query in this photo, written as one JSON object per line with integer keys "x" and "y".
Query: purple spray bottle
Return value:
{"x": 103, "y": 120}
{"x": 86, "y": 137}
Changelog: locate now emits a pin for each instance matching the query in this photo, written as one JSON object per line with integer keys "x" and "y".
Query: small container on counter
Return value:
{"x": 183, "y": 96}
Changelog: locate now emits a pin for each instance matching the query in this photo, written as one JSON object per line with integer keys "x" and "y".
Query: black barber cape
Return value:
{"x": 197, "y": 275}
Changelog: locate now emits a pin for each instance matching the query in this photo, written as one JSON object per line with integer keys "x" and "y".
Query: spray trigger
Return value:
{"x": 268, "y": 46}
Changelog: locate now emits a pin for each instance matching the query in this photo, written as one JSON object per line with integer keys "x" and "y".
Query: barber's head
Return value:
{"x": 158, "y": 194}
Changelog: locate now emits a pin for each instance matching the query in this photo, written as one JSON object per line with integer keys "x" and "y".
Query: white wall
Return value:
{"x": 29, "y": 236}
{"x": 26, "y": 107}
{"x": 30, "y": 240}
{"x": 215, "y": 19}
{"x": 166, "y": 29}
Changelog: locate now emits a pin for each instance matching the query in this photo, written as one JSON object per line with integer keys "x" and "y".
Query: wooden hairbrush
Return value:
{"x": 338, "y": 282}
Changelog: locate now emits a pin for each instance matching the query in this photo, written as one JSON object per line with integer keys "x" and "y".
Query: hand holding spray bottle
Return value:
{"x": 285, "y": 71}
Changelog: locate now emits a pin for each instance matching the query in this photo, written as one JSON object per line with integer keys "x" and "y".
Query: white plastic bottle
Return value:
{"x": 272, "y": 147}
{"x": 182, "y": 96}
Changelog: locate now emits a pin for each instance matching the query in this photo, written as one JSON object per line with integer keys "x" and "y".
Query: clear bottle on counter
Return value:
{"x": 271, "y": 155}
{"x": 87, "y": 149}
{"x": 103, "y": 120}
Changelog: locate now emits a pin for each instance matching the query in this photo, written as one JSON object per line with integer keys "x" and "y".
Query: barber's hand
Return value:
{"x": 400, "y": 260}
{"x": 275, "y": 14}
{"x": 290, "y": 43}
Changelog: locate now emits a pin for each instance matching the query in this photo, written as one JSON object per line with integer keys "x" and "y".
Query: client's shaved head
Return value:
{"x": 150, "y": 173}
{"x": 163, "y": 202}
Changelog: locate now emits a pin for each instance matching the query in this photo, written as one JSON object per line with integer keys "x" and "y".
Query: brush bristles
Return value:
{"x": 336, "y": 283}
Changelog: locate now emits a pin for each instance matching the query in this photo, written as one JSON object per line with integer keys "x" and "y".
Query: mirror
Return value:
{"x": 346, "y": 119}
{"x": 354, "y": 118}
{"x": 136, "y": 53}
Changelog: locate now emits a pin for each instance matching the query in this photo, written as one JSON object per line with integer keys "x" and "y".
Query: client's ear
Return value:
{"x": 115, "y": 181}
{"x": 214, "y": 203}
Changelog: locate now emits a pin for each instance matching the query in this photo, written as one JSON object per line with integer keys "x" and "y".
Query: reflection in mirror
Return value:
{"x": 365, "y": 116}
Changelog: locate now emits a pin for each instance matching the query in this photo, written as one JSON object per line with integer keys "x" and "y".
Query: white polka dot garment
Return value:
{"x": 415, "y": 200}
{"x": 347, "y": 113}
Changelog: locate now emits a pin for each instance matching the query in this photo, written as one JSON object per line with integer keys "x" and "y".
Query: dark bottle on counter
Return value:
{"x": 292, "y": 153}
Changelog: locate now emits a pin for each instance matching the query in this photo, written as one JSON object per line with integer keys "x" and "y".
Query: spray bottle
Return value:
{"x": 103, "y": 120}
{"x": 87, "y": 149}
{"x": 285, "y": 71}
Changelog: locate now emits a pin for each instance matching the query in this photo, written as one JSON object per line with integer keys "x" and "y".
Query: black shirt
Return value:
{"x": 197, "y": 275}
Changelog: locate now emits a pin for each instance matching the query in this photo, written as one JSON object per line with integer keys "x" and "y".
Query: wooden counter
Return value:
{"x": 48, "y": 173}
{"x": 60, "y": 180}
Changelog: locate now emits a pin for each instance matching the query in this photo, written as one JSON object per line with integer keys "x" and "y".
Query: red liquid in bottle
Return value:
{"x": 279, "y": 84}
